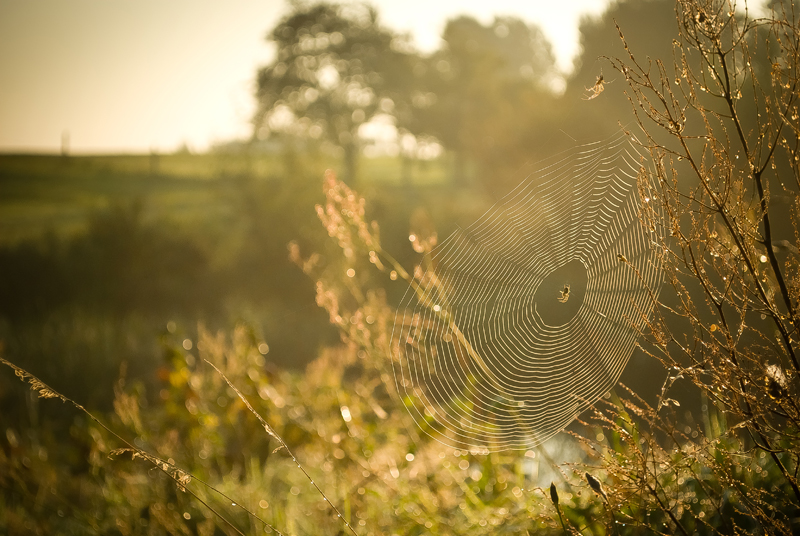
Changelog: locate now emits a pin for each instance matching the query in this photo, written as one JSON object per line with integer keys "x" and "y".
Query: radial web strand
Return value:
{"x": 525, "y": 318}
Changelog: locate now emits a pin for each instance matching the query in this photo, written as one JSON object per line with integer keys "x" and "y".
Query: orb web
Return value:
{"x": 525, "y": 318}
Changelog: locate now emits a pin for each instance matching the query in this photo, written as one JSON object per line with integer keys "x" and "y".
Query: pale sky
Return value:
{"x": 135, "y": 76}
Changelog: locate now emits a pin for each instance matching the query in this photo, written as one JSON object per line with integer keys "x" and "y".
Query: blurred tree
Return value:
{"x": 335, "y": 69}
{"x": 485, "y": 89}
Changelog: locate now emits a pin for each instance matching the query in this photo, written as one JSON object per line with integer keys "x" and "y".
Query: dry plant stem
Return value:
{"x": 283, "y": 444}
{"x": 727, "y": 95}
{"x": 719, "y": 209}
{"x": 164, "y": 466}
{"x": 561, "y": 518}
{"x": 613, "y": 519}
{"x": 676, "y": 130}
{"x": 757, "y": 174}
{"x": 664, "y": 507}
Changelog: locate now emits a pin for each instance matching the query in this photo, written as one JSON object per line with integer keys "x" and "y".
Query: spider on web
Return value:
{"x": 597, "y": 88}
{"x": 564, "y": 294}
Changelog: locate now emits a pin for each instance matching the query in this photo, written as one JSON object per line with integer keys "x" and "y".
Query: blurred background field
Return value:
{"x": 43, "y": 194}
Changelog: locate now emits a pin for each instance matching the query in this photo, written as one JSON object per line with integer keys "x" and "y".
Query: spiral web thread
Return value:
{"x": 487, "y": 353}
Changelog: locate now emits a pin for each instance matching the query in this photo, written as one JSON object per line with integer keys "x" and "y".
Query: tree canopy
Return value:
{"x": 336, "y": 68}
{"x": 486, "y": 86}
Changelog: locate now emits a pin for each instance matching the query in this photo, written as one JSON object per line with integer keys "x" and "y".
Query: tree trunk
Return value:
{"x": 350, "y": 163}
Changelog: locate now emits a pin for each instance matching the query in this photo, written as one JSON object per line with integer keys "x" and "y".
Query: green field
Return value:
{"x": 44, "y": 193}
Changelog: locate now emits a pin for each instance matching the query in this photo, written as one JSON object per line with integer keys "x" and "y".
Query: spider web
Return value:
{"x": 524, "y": 319}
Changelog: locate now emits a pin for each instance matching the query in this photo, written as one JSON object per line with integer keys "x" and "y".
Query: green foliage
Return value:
{"x": 352, "y": 442}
